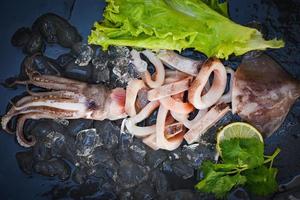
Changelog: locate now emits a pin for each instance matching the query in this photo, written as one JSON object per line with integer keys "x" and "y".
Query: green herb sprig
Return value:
{"x": 243, "y": 164}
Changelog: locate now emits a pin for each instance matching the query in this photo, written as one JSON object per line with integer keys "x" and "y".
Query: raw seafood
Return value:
{"x": 142, "y": 115}
{"x": 207, "y": 121}
{"x": 161, "y": 140}
{"x": 72, "y": 100}
{"x": 176, "y": 61}
{"x": 132, "y": 90}
{"x": 215, "y": 91}
{"x": 257, "y": 98}
{"x": 263, "y": 93}
{"x": 160, "y": 71}
{"x": 173, "y": 113}
{"x": 169, "y": 89}
{"x": 176, "y": 105}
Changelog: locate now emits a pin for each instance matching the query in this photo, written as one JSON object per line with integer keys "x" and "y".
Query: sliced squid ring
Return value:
{"x": 169, "y": 89}
{"x": 212, "y": 65}
{"x": 132, "y": 90}
{"x": 207, "y": 121}
{"x": 161, "y": 140}
{"x": 184, "y": 118}
{"x": 176, "y": 61}
{"x": 226, "y": 98}
{"x": 176, "y": 105}
{"x": 142, "y": 115}
{"x": 160, "y": 71}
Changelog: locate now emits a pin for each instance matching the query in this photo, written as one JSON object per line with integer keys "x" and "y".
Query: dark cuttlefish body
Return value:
{"x": 263, "y": 93}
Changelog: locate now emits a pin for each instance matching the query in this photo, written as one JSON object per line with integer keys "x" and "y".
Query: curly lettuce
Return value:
{"x": 176, "y": 25}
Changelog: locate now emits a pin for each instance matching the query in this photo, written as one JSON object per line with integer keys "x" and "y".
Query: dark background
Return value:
{"x": 278, "y": 18}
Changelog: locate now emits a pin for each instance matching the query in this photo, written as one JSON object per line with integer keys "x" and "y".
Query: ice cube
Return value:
{"x": 145, "y": 191}
{"x": 131, "y": 174}
{"x": 99, "y": 156}
{"x": 108, "y": 133}
{"x": 53, "y": 167}
{"x": 76, "y": 125}
{"x": 195, "y": 154}
{"x": 160, "y": 182}
{"x": 86, "y": 141}
{"x": 54, "y": 139}
{"x": 178, "y": 195}
{"x": 118, "y": 51}
{"x": 79, "y": 175}
{"x": 155, "y": 158}
{"x": 182, "y": 170}
{"x": 100, "y": 63}
{"x": 63, "y": 122}
{"x": 138, "y": 152}
{"x": 84, "y": 54}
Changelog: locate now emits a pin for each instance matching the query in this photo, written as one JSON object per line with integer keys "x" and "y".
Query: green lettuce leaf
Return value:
{"x": 176, "y": 25}
{"x": 221, "y": 8}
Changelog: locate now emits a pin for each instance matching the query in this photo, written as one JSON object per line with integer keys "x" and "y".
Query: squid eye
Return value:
{"x": 92, "y": 105}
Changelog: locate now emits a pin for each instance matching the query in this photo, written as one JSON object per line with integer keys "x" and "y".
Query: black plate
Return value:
{"x": 279, "y": 18}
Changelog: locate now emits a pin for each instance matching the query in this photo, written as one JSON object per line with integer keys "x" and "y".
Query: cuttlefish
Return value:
{"x": 263, "y": 93}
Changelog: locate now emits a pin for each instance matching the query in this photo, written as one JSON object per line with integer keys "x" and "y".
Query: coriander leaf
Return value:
{"x": 207, "y": 166}
{"x": 261, "y": 180}
{"x": 219, "y": 183}
{"x": 243, "y": 151}
{"x": 224, "y": 167}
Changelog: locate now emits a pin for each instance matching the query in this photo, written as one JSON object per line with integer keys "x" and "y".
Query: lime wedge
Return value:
{"x": 237, "y": 130}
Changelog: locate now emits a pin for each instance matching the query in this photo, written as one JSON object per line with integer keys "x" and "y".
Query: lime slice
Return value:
{"x": 237, "y": 130}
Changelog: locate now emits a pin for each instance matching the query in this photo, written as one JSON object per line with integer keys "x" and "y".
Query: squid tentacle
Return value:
{"x": 44, "y": 96}
{"x": 19, "y": 129}
{"x": 59, "y": 113}
{"x": 53, "y": 101}
{"x": 54, "y": 83}
{"x": 32, "y": 115}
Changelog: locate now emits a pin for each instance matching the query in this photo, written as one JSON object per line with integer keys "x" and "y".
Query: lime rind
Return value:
{"x": 237, "y": 130}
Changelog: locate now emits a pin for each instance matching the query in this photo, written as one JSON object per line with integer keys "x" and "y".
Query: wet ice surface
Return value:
{"x": 97, "y": 170}
{"x": 120, "y": 166}
{"x": 91, "y": 64}
{"x": 94, "y": 153}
